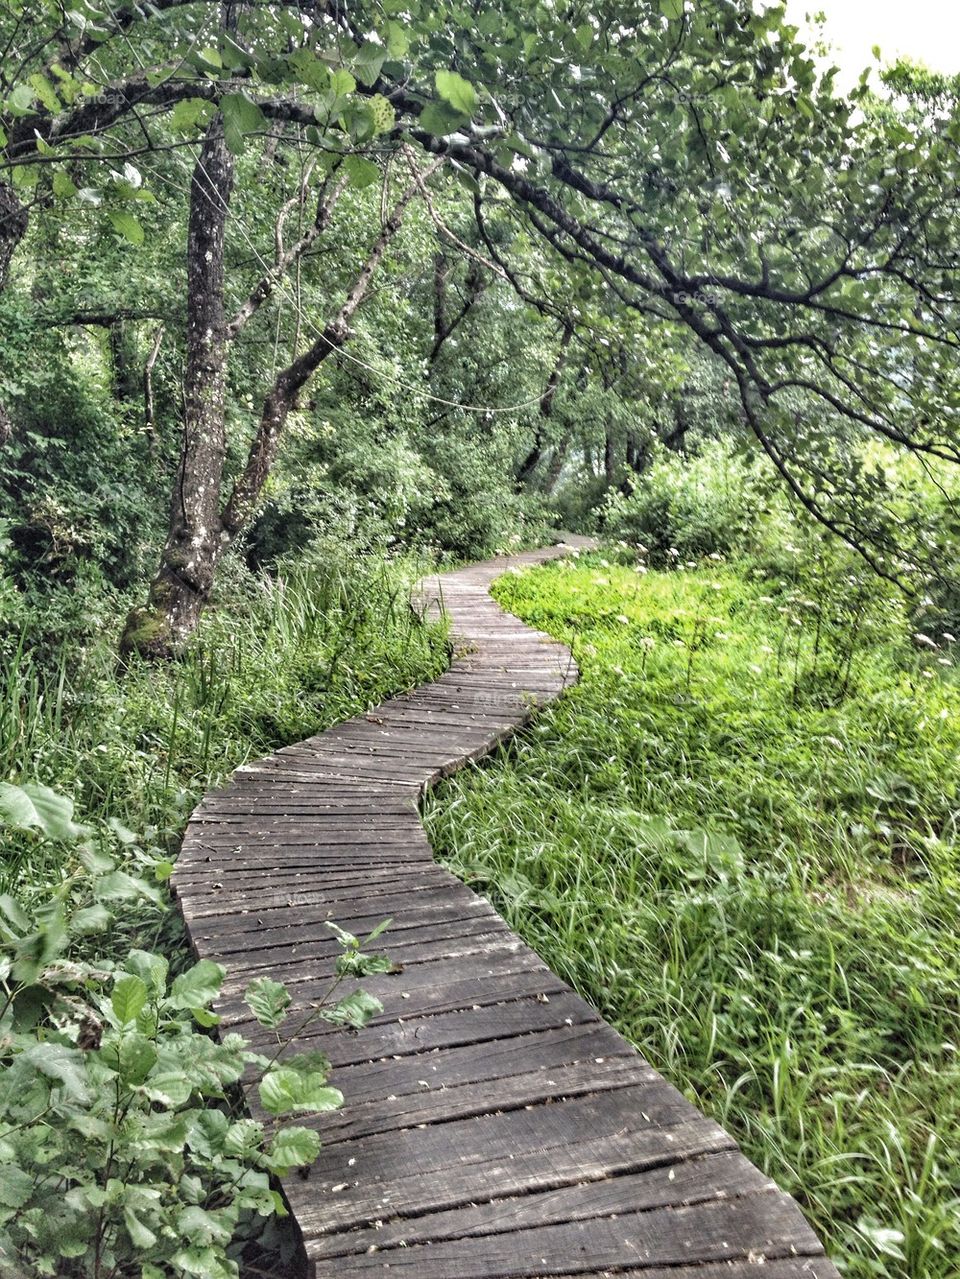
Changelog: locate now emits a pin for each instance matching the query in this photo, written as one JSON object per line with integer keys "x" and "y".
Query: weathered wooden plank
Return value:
{"x": 469, "y": 996}
{"x": 450, "y": 1067}
{"x": 486, "y": 1172}
{"x": 723, "y": 1175}
{"x": 275, "y": 887}
{"x": 409, "y": 908}
{"x": 764, "y": 1224}
{"x": 480, "y": 1024}
{"x": 470, "y": 1100}
{"x": 813, "y": 1267}
{"x": 455, "y": 939}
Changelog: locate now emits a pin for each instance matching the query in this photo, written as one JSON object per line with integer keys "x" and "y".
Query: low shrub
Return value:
{"x": 687, "y": 507}
{"x": 124, "y": 1147}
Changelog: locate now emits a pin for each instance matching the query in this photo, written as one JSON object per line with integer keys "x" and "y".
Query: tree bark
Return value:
{"x": 195, "y": 537}
{"x": 532, "y": 460}
{"x": 13, "y": 227}
{"x": 445, "y": 325}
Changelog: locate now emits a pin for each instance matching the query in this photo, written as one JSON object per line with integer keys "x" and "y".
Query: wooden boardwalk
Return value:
{"x": 495, "y": 1125}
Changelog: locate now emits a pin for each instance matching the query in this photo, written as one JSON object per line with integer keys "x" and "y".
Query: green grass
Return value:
{"x": 290, "y": 656}
{"x": 745, "y": 857}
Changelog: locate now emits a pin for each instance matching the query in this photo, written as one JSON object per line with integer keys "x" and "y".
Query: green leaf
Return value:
{"x": 188, "y": 115}
{"x": 209, "y": 58}
{"x": 268, "y": 1000}
{"x": 240, "y": 117}
{"x": 32, "y": 806}
{"x": 292, "y": 1148}
{"x": 355, "y": 1010}
{"x": 243, "y": 1139}
{"x": 284, "y": 1090}
{"x": 384, "y": 116}
{"x": 119, "y": 886}
{"x": 63, "y": 187}
{"x": 140, "y": 1235}
{"x": 198, "y": 986}
{"x": 440, "y": 119}
{"x": 207, "y": 1131}
{"x": 398, "y": 42}
{"x": 95, "y": 860}
{"x": 359, "y": 964}
{"x": 204, "y": 1017}
{"x": 204, "y": 1227}
{"x": 342, "y": 82}
{"x": 127, "y": 226}
{"x": 128, "y": 997}
{"x": 45, "y": 92}
{"x": 135, "y": 1056}
{"x": 16, "y": 1186}
{"x": 169, "y": 1087}
{"x": 14, "y": 921}
{"x": 67, "y": 1067}
{"x": 20, "y": 101}
{"x": 25, "y": 176}
{"x": 459, "y": 93}
{"x": 584, "y": 36}
{"x": 672, "y": 9}
{"x": 160, "y": 1131}
{"x": 151, "y": 968}
{"x": 368, "y": 60}
{"x": 204, "y": 1263}
{"x": 89, "y": 919}
{"x": 361, "y": 171}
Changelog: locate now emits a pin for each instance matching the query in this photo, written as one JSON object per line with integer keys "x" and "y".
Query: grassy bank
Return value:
{"x": 288, "y": 656}
{"x": 736, "y": 837}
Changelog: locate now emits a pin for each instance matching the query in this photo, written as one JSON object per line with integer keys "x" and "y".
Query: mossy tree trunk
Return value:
{"x": 195, "y": 538}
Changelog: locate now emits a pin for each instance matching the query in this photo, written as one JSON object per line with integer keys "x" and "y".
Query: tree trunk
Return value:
{"x": 13, "y": 227}
{"x": 444, "y": 324}
{"x": 609, "y": 458}
{"x": 149, "y": 408}
{"x": 555, "y": 469}
{"x": 195, "y": 539}
{"x": 532, "y": 460}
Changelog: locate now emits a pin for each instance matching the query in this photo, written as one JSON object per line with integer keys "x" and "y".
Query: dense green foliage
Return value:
{"x": 737, "y": 838}
{"x": 125, "y": 1148}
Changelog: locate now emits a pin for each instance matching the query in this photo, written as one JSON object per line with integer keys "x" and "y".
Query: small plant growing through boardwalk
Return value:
{"x": 124, "y": 1145}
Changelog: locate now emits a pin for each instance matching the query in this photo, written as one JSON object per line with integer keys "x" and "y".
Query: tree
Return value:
{"x": 686, "y": 162}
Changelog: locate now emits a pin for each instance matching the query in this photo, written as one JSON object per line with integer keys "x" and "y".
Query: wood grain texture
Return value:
{"x": 495, "y": 1125}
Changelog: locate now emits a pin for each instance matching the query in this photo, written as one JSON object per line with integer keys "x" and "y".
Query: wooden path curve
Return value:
{"x": 495, "y": 1125}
